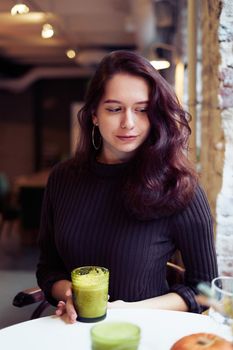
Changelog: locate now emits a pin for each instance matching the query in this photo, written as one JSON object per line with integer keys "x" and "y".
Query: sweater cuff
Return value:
{"x": 188, "y": 295}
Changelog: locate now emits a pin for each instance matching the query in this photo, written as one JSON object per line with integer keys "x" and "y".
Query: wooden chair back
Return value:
{"x": 175, "y": 274}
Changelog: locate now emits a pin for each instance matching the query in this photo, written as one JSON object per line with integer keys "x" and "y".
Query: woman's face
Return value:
{"x": 122, "y": 117}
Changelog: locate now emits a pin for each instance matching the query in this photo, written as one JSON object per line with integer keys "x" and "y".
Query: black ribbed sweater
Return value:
{"x": 84, "y": 223}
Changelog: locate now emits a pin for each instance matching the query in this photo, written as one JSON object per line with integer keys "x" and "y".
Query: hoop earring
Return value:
{"x": 93, "y": 138}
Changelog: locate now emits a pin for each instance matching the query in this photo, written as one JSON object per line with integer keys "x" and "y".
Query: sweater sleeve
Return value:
{"x": 50, "y": 267}
{"x": 193, "y": 236}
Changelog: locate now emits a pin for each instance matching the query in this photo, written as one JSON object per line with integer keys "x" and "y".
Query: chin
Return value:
{"x": 202, "y": 341}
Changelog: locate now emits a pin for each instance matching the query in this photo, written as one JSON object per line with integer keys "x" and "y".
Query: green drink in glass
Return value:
{"x": 115, "y": 336}
{"x": 90, "y": 292}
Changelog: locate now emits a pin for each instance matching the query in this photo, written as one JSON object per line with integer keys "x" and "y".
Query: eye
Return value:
{"x": 113, "y": 109}
{"x": 142, "y": 110}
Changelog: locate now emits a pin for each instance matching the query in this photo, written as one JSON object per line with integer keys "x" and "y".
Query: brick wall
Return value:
{"x": 217, "y": 122}
{"x": 212, "y": 138}
{"x": 224, "y": 212}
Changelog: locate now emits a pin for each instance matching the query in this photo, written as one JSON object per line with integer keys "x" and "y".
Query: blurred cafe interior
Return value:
{"x": 48, "y": 52}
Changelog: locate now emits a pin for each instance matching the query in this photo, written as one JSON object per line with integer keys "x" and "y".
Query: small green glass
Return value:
{"x": 90, "y": 292}
{"x": 115, "y": 336}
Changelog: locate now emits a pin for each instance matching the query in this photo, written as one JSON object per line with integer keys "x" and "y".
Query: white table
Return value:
{"x": 160, "y": 329}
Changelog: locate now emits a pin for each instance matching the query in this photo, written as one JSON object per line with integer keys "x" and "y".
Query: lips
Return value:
{"x": 127, "y": 137}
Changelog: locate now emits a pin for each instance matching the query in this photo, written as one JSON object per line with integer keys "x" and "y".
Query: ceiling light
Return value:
{"x": 47, "y": 31}
{"x": 19, "y": 9}
{"x": 71, "y": 53}
{"x": 160, "y": 64}
{"x": 160, "y": 55}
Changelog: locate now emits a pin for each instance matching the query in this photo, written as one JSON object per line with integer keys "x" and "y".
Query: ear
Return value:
{"x": 94, "y": 119}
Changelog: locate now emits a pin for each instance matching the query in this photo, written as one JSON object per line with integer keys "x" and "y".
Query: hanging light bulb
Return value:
{"x": 159, "y": 55}
{"x": 47, "y": 31}
{"x": 160, "y": 64}
{"x": 70, "y": 53}
{"x": 19, "y": 9}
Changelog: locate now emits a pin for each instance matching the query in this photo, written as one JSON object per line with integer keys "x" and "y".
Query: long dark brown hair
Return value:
{"x": 160, "y": 180}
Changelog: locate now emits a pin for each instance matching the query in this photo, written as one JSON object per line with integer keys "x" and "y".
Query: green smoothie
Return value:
{"x": 115, "y": 336}
{"x": 90, "y": 292}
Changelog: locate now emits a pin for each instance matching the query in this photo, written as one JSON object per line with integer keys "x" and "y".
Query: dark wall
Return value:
{"x": 16, "y": 107}
{"x": 36, "y": 121}
{"x": 53, "y": 99}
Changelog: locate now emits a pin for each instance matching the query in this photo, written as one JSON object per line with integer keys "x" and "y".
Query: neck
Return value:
{"x": 106, "y": 158}
{"x": 101, "y": 159}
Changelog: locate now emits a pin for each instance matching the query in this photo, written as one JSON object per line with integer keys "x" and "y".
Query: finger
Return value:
{"x": 58, "y": 312}
{"x": 203, "y": 300}
{"x": 61, "y": 303}
{"x": 68, "y": 293}
{"x": 61, "y": 308}
{"x": 72, "y": 314}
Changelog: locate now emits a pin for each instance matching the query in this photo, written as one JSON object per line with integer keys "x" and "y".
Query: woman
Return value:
{"x": 129, "y": 198}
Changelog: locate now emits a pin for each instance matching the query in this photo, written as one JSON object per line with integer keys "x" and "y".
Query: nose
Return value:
{"x": 128, "y": 120}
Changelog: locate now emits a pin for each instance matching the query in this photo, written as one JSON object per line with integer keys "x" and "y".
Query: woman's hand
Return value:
{"x": 62, "y": 291}
{"x": 67, "y": 307}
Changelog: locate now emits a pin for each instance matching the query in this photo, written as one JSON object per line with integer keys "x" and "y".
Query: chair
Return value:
{"x": 31, "y": 296}
{"x": 175, "y": 274}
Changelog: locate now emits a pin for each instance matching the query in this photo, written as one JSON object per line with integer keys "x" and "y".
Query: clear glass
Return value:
{"x": 222, "y": 292}
{"x": 115, "y": 336}
{"x": 90, "y": 292}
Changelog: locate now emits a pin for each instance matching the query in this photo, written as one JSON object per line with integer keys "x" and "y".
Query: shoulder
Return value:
{"x": 68, "y": 165}
{"x": 197, "y": 210}
{"x": 199, "y": 202}
{"x": 62, "y": 171}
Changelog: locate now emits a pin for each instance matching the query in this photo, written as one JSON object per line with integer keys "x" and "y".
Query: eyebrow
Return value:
{"x": 116, "y": 101}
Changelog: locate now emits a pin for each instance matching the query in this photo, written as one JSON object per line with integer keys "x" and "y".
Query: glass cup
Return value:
{"x": 115, "y": 336}
{"x": 222, "y": 313}
{"x": 90, "y": 292}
